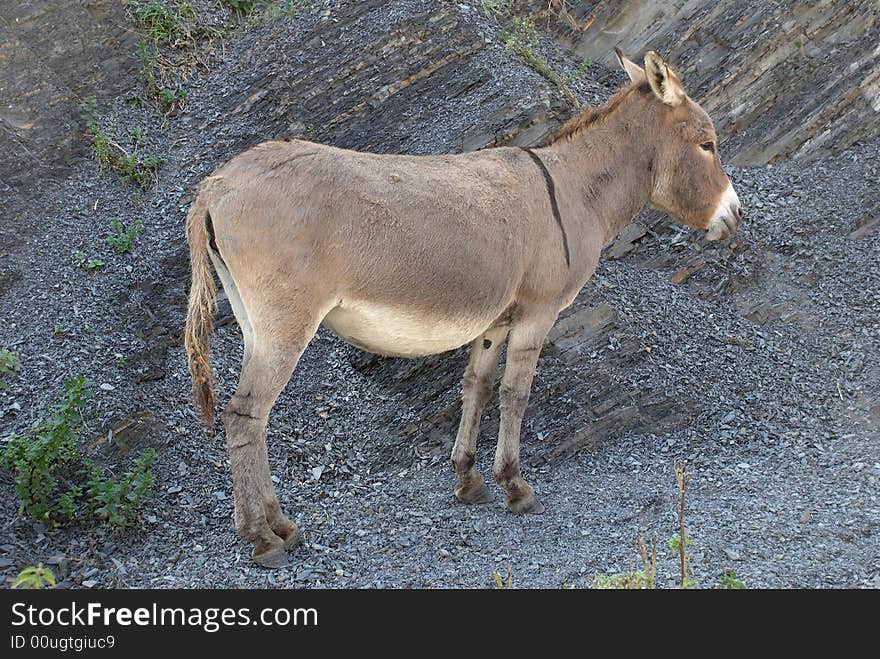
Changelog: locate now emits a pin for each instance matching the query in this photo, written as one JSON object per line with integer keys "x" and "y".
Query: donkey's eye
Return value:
{"x": 708, "y": 146}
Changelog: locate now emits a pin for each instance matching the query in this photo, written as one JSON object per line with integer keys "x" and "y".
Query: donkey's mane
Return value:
{"x": 591, "y": 116}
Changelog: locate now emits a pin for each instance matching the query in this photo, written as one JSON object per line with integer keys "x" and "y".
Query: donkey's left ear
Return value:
{"x": 633, "y": 70}
{"x": 662, "y": 79}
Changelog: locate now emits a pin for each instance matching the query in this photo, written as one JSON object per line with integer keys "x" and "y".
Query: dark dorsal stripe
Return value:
{"x": 551, "y": 190}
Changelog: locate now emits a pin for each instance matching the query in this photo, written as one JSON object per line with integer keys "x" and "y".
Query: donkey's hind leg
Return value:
{"x": 476, "y": 386}
{"x": 269, "y": 365}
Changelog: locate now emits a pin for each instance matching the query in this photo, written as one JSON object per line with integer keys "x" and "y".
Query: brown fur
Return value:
{"x": 411, "y": 255}
{"x": 590, "y": 116}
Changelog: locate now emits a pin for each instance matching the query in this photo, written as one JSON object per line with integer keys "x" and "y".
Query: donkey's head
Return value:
{"x": 689, "y": 182}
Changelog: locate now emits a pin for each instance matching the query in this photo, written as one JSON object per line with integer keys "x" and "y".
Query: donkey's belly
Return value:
{"x": 399, "y": 332}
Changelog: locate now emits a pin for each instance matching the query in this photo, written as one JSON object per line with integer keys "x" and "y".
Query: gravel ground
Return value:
{"x": 775, "y": 340}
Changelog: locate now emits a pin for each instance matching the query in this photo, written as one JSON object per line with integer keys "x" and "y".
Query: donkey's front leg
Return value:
{"x": 523, "y": 350}
{"x": 476, "y": 389}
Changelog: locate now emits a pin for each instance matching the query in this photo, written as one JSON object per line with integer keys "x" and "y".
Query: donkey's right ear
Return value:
{"x": 633, "y": 70}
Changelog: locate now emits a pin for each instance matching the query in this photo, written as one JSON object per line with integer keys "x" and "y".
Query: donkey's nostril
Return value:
{"x": 739, "y": 212}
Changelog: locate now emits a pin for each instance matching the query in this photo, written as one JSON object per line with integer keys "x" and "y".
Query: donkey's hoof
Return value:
{"x": 293, "y": 539}
{"x": 474, "y": 496}
{"x": 272, "y": 559}
{"x": 270, "y": 554}
{"x": 526, "y": 506}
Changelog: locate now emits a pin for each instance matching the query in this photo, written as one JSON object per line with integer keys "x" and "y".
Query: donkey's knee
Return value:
{"x": 242, "y": 406}
{"x": 477, "y": 385}
{"x": 244, "y": 423}
{"x": 514, "y": 400}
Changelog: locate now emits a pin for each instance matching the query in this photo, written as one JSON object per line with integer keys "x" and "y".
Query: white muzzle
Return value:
{"x": 727, "y": 216}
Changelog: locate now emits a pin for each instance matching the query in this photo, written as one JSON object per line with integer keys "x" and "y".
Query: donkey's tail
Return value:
{"x": 202, "y": 302}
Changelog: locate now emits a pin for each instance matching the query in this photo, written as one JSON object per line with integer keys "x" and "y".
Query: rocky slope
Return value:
{"x": 756, "y": 360}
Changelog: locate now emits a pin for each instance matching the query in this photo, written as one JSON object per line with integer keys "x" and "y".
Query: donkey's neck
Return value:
{"x": 606, "y": 168}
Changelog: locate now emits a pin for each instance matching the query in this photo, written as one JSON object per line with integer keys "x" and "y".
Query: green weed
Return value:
{"x": 10, "y": 364}
{"x": 116, "y": 501}
{"x": 44, "y": 463}
{"x": 496, "y": 8}
{"x": 34, "y": 577}
{"x": 90, "y": 264}
{"x": 55, "y": 482}
{"x": 728, "y": 580}
{"x": 168, "y": 99}
{"x": 122, "y": 238}
{"x": 132, "y": 166}
{"x": 240, "y": 7}
{"x": 643, "y": 579}
{"x": 160, "y": 22}
{"x": 636, "y": 580}
{"x": 522, "y": 42}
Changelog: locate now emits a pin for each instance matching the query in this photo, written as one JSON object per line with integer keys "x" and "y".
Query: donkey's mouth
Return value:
{"x": 721, "y": 227}
{"x": 727, "y": 216}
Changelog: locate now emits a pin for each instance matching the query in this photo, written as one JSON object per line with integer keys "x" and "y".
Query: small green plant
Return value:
{"x": 240, "y": 7}
{"x": 122, "y": 238}
{"x": 160, "y": 22}
{"x": 90, "y": 264}
{"x": 728, "y": 580}
{"x": 636, "y": 579}
{"x": 32, "y": 578}
{"x": 10, "y": 364}
{"x": 496, "y": 8}
{"x": 130, "y": 166}
{"x": 524, "y": 36}
{"x": 121, "y": 361}
{"x": 674, "y": 543}
{"x": 43, "y": 462}
{"x": 100, "y": 140}
{"x": 274, "y": 8}
{"x": 116, "y": 501}
{"x": 168, "y": 99}
{"x": 55, "y": 482}
{"x": 146, "y": 53}
{"x": 578, "y": 71}
{"x": 522, "y": 42}
{"x": 58, "y": 329}
{"x": 501, "y": 582}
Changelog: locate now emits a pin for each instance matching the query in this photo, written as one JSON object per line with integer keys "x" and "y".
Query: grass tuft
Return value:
{"x": 522, "y": 42}
{"x": 131, "y": 166}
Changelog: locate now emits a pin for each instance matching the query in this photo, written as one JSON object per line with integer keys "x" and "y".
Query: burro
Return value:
{"x": 414, "y": 255}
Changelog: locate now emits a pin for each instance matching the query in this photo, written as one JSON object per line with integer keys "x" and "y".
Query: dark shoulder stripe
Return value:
{"x": 551, "y": 191}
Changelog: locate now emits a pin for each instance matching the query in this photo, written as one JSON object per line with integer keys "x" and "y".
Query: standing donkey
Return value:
{"x": 414, "y": 255}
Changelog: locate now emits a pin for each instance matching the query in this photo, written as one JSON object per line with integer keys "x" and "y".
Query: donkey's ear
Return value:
{"x": 662, "y": 79}
{"x": 633, "y": 70}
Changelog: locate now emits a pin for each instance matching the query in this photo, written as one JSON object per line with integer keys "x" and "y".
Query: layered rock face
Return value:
{"x": 788, "y": 78}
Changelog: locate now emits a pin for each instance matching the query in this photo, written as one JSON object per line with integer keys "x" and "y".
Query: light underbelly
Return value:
{"x": 396, "y": 332}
